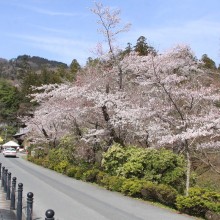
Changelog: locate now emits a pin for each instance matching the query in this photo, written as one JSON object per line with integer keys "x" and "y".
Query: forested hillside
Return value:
{"x": 17, "y": 76}
{"x": 17, "y": 67}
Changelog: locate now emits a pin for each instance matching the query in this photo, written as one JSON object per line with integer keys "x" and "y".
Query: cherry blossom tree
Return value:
{"x": 182, "y": 100}
{"x": 167, "y": 101}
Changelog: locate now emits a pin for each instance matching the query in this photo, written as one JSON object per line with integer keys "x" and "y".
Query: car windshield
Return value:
{"x": 10, "y": 149}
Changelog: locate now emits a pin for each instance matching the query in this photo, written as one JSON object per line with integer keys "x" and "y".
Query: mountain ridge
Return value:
{"x": 13, "y": 68}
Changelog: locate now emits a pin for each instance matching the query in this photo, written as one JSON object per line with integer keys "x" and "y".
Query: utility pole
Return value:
{"x": 6, "y": 130}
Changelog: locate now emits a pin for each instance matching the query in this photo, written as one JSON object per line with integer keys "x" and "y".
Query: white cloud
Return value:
{"x": 66, "y": 49}
{"x": 50, "y": 12}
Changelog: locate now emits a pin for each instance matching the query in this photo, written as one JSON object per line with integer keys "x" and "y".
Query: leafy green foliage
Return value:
{"x": 62, "y": 166}
{"x": 10, "y": 99}
{"x": 71, "y": 171}
{"x": 113, "y": 159}
{"x": 208, "y": 62}
{"x": 159, "y": 193}
{"x": 92, "y": 62}
{"x": 7, "y": 132}
{"x": 132, "y": 187}
{"x": 37, "y": 79}
{"x": 79, "y": 173}
{"x": 74, "y": 68}
{"x": 68, "y": 145}
{"x": 100, "y": 177}
{"x": 58, "y": 159}
{"x": 142, "y": 48}
{"x": 161, "y": 166}
{"x": 199, "y": 201}
{"x": 90, "y": 175}
{"x": 113, "y": 183}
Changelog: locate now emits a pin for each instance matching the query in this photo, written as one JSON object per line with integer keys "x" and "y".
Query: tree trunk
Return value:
{"x": 111, "y": 129}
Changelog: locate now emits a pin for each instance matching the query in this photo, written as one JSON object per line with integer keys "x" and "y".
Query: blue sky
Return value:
{"x": 66, "y": 30}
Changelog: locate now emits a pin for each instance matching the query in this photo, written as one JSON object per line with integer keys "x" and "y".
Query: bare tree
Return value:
{"x": 109, "y": 21}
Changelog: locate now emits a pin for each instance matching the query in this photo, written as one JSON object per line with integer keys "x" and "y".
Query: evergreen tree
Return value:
{"x": 74, "y": 68}
{"x": 92, "y": 62}
{"x": 49, "y": 77}
{"x": 142, "y": 48}
{"x": 10, "y": 99}
{"x": 127, "y": 50}
{"x": 208, "y": 62}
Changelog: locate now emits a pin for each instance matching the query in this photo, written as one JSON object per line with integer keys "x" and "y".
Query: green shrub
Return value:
{"x": 71, "y": 171}
{"x": 113, "y": 159}
{"x": 100, "y": 176}
{"x": 159, "y": 193}
{"x": 55, "y": 156}
{"x": 90, "y": 175}
{"x": 79, "y": 173}
{"x": 116, "y": 183}
{"x": 131, "y": 169}
{"x": 30, "y": 158}
{"x": 45, "y": 162}
{"x": 198, "y": 202}
{"x": 132, "y": 187}
{"x": 38, "y": 161}
{"x": 106, "y": 181}
{"x": 113, "y": 183}
{"x": 160, "y": 166}
{"x": 61, "y": 166}
{"x": 68, "y": 145}
{"x": 166, "y": 195}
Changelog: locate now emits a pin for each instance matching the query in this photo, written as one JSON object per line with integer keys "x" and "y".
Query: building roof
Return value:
{"x": 21, "y": 132}
{"x": 11, "y": 144}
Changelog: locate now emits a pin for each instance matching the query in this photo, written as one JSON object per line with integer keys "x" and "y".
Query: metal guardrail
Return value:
{"x": 9, "y": 188}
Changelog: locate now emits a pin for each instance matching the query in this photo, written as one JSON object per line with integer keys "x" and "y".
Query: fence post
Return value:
{"x": 5, "y": 180}
{"x": 49, "y": 214}
{"x": 12, "y": 207}
{"x": 29, "y": 205}
{"x": 8, "y": 195}
{"x": 3, "y": 175}
{"x": 19, "y": 204}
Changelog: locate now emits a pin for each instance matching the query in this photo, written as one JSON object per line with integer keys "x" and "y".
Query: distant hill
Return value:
{"x": 39, "y": 62}
{"x": 14, "y": 68}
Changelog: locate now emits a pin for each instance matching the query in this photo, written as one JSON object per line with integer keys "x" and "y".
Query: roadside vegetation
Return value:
{"x": 148, "y": 174}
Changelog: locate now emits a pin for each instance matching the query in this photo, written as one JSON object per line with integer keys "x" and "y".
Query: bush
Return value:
{"x": 38, "y": 161}
{"x": 75, "y": 172}
{"x": 113, "y": 159}
{"x": 159, "y": 193}
{"x": 55, "y": 156}
{"x": 90, "y": 175}
{"x": 30, "y": 158}
{"x": 100, "y": 176}
{"x": 71, "y": 171}
{"x": 68, "y": 144}
{"x": 79, "y": 173}
{"x": 45, "y": 162}
{"x": 113, "y": 183}
{"x": 132, "y": 187}
{"x": 198, "y": 202}
{"x": 61, "y": 166}
{"x": 160, "y": 166}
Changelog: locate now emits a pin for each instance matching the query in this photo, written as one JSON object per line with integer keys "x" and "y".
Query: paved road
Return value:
{"x": 75, "y": 200}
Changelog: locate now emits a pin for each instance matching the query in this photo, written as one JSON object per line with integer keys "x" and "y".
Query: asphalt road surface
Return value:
{"x": 76, "y": 200}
